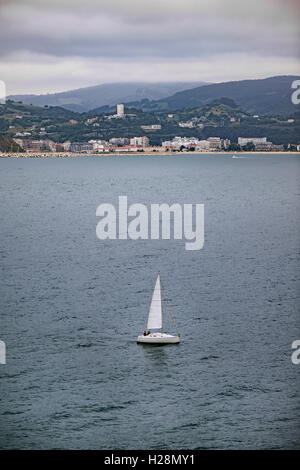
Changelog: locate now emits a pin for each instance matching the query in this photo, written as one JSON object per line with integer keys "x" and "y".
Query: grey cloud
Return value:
{"x": 132, "y": 29}
{"x": 52, "y": 37}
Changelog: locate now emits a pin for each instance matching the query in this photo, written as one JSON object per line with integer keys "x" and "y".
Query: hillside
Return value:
{"x": 269, "y": 96}
{"x": 7, "y": 144}
{"x": 19, "y": 117}
{"x": 220, "y": 118}
{"x": 85, "y": 99}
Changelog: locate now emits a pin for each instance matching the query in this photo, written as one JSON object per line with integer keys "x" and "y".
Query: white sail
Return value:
{"x": 155, "y": 313}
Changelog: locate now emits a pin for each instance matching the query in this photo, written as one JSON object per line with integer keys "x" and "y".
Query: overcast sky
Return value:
{"x": 58, "y": 45}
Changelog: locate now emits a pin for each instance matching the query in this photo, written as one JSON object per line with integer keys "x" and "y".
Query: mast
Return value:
{"x": 170, "y": 310}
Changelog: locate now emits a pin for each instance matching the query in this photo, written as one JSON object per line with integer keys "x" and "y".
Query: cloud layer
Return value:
{"x": 58, "y": 45}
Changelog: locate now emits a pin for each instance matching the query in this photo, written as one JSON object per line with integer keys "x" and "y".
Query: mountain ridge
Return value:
{"x": 87, "y": 98}
{"x": 258, "y": 96}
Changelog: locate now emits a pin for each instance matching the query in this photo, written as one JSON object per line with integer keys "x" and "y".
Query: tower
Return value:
{"x": 120, "y": 110}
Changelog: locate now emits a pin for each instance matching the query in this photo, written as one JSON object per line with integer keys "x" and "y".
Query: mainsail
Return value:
{"x": 155, "y": 313}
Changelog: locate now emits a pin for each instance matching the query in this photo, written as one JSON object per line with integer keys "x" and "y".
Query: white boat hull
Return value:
{"x": 158, "y": 338}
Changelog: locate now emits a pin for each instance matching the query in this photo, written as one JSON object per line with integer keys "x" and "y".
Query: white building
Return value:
{"x": 91, "y": 120}
{"x": 186, "y": 124}
{"x": 202, "y": 146}
{"x": 139, "y": 141}
{"x": 120, "y": 110}
{"x": 99, "y": 145}
{"x": 215, "y": 143}
{"x": 179, "y": 142}
{"x": 151, "y": 127}
{"x": 119, "y": 141}
{"x": 242, "y": 141}
{"x": 22, "y": 134}
{"x": 66, "y": 145}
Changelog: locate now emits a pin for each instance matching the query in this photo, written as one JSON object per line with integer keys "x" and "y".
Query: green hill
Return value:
{"x": 219, "y": 118}
{"x": 7, "y": 144}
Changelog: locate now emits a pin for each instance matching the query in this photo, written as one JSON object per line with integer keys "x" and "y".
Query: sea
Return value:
{"x": 72, "y": 306}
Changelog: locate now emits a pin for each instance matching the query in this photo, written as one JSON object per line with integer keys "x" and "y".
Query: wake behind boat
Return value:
{"x": 155, "y": 321}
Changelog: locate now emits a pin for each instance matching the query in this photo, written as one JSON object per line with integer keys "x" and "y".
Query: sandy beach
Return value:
{"x": 118, "y": 154}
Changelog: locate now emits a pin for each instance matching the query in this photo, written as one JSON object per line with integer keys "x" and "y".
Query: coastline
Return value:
{"x": 119, "y": 154}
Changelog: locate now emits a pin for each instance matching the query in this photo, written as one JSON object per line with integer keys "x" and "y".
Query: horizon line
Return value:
{"x": 45, "y": 93}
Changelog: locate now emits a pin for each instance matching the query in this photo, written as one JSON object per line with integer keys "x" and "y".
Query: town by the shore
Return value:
{"x": 162, "y": 136}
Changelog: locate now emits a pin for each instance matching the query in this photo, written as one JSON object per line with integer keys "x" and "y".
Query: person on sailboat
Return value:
{"x": 145, "y": 334}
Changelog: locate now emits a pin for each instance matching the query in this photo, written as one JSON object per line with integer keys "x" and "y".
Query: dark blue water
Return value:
{"x": 72, "y": 306}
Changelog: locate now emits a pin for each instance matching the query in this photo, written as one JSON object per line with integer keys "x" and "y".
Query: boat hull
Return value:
{"x": 158, "y": 338}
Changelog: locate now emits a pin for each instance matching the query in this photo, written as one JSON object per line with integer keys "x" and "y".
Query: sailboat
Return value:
{"x": 155, "y": 321}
